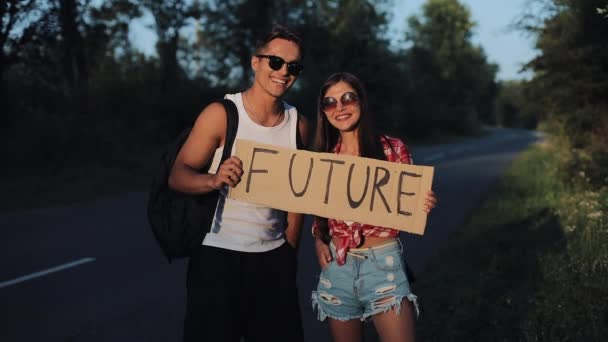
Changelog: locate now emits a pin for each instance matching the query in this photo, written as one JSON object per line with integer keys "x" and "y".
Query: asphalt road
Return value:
{"x": 92, "y": 271}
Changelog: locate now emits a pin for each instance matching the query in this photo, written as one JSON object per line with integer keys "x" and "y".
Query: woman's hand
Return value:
{"x": 323, "y": 252}
{"x": 430, "y": 201}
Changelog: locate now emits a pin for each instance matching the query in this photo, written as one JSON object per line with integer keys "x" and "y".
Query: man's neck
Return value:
{"x": 262, "y": 102}
{"x": 263, "y": 108}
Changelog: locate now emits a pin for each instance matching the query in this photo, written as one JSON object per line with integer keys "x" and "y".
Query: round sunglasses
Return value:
{"x": 329, "y": 104}
{"x": 276, "y": 63}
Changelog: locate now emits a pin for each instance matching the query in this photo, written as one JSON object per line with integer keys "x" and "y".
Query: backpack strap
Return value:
{"x": 232, "y": 124}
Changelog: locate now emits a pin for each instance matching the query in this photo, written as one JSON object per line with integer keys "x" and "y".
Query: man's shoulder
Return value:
{"x": 217, "y": 106}
{"x": 232, "y": 97}
{"x": 289, "y": 107}
{"x": 213, "y": 117}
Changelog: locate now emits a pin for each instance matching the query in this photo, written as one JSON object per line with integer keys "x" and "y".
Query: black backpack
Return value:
{"x": 179, "y": 220}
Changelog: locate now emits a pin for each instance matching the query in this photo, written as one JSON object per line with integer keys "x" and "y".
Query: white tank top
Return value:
{"x": 243, "y": 226}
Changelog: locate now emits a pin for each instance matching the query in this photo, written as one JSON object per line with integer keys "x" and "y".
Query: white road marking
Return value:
{"x": 45, "y": 272}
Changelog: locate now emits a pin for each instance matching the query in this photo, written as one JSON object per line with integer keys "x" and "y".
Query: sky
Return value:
{"x": 504, "y": 46}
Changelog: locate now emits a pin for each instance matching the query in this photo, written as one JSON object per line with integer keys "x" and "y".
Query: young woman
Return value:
{"x": 362, "y": 267}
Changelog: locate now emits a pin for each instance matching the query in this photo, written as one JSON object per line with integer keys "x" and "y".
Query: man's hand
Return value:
{"x": 229, "y": 172}
{"x": 292, "y": 240}
{"x": 294, "y": 228}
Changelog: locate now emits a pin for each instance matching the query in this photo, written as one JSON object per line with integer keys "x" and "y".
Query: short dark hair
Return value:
{"x": 278, "y": 32}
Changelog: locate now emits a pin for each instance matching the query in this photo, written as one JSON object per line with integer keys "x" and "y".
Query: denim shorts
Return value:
{"x": 372, "y": 281}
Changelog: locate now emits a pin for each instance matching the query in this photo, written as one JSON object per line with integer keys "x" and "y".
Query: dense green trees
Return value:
{"x": 568, "y": 93}
{"x": 228, "y": 30}
{"x": 512, "y": 109}
{"x": 570, "y": 83}
{"x": 73, "y": 87}
{"x": 454, "y": 76}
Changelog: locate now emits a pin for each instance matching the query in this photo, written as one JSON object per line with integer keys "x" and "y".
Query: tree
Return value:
{"x": 603, "y": 11}
{"x": 455, "y": 84}
{"x": 571, "y": 79}
{"x": 511, "y": 107}
{"x": 170, "y": 17}
{"x": 338, "y": 35}
{"x": 75, "y": 66}
{"x": 228, "y": 30}
{"x": 15, "y": 13}
{"x": 28, "y": 35}
{"x": 350, "y": 35}
{"x": 108, "y": 27}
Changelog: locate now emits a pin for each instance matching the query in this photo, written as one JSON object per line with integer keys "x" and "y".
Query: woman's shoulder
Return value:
{"x": 393, "y": 141}
{"x": 396, "y": 150}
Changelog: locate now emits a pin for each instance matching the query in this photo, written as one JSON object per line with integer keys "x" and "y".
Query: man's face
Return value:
{"x": 276, "y": 82}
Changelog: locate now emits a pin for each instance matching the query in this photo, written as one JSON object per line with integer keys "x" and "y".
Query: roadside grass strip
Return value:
{"x": 531, "y": 264}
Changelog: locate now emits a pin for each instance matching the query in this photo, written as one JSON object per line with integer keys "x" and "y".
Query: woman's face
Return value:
{"x": 341, "y": 106}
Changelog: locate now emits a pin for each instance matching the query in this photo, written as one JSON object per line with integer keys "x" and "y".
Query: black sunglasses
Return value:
{"x": 276, "y": 63}
{"x": 329, "y": 104}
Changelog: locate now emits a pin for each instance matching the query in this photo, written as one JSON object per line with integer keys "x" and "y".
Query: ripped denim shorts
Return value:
{"x": 372, "y": 281}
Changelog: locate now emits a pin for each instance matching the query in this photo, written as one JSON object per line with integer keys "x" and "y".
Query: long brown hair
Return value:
{"x": 327, "y": 135}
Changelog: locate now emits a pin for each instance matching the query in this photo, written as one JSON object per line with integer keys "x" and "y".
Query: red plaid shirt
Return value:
{"x": 348, "y": 234}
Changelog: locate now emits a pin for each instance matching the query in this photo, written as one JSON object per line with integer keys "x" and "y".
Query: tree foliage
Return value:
{"x": 571, "y": 81}
{"x": 14, "y": 13}
{"x": 80, "y": 92}
{"x": 347, "y": 36}
{"x": 457, "y": 80}
{"x": 512, "y": 109}
{"x": 170, "y": 16}
{"x": 228, "y": 30}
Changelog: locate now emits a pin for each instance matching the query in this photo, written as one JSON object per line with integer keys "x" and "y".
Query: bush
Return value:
{"x": 531, "y": 263}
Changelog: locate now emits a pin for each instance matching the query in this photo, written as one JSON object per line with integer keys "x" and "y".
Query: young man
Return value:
{"x": 242, "y": 284}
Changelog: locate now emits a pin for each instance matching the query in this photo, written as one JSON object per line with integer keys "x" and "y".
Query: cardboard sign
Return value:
{"x": 343, "y": 187}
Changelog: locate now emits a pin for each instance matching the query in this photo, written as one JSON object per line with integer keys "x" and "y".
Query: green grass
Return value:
{"x": 530, "y": 265}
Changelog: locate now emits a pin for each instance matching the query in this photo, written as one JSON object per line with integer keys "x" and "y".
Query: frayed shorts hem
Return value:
{"x": 322, "y": 314}
{"x": 395, "y": 305}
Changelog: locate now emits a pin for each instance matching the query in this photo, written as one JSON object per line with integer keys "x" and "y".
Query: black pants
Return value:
{"x": 237, "y": 294}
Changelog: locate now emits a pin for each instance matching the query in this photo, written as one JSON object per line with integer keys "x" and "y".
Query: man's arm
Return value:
{"x": 294, "y": 220}
{"x": 208, "y": 133}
